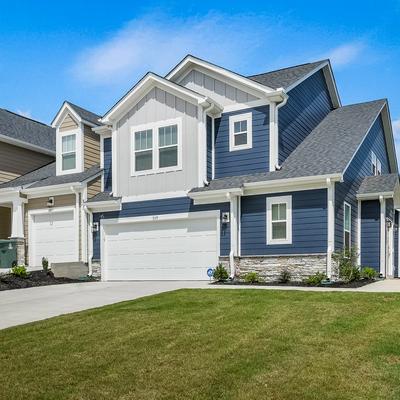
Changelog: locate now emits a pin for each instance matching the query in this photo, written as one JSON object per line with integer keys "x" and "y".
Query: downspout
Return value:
{"x": 206, "y": 110}
{"x": 89, "y": 245}
{"x": 77, "y": 213}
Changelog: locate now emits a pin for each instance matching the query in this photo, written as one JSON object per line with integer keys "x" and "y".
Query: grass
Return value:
{"x": 211, "y": 344}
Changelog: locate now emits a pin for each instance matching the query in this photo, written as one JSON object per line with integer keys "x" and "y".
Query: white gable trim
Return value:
{"x": 64, "y": 111}
{"x": 148, "y": 82}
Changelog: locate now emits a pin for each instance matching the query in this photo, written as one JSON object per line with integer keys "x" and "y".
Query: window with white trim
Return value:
{"x": 156, "y": 147}
{"x": 376, "y": 165}
{"x": 347, "y": 226}
{"x": 240, "y": 132}
{"x": 68, "y": 152}
{"x": 279, "y": 220}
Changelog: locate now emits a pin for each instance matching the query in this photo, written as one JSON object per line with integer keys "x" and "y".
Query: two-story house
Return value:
{"x": 265, "y": 172}
{"x": 48, "y": 215}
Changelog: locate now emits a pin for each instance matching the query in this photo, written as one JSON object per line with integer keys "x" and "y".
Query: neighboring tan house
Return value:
{"x": 25, "y": 145}
{"x": 49, "y": 219}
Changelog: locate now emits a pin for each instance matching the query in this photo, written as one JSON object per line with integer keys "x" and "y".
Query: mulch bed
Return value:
{"x": 35, "y": 278}
{"x": 351, "y": 285}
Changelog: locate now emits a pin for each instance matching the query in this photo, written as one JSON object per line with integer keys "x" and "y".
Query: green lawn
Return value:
{"x": 211, "y": 344}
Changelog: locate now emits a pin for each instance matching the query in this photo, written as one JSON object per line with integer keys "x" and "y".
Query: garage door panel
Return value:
{"x": 161, "y": 250}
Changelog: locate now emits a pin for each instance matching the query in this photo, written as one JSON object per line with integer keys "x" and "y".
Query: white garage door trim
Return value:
{"x": 152, "y": 218}
{"x": 31, "y": 216}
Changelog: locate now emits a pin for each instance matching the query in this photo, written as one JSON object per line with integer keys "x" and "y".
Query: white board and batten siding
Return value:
{"x": 158, "y": 105}
{"x": 179, "y": 247}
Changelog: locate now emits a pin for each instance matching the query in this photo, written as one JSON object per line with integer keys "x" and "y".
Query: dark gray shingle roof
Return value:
{"x": 103, "y": 196}
{"x": 27, "y": 130}
{"x": 327, "y": 149}
{"x": 46, "y": 176}
{"x": 85, "y": 114}
{"x": 285, "y": 77}
{"x": 378, "y": 184}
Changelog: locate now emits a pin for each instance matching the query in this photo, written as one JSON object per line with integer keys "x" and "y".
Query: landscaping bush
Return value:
{"x": 285, "y": 276}
{"x": 347, "y": 265}
{"x": 220, "y": 273}
{"x": 45, "y": 264}
{"x": 19, "y": 271}
{"x": 368, "y": 273}
{"x": 316, "y": 279}
{"x": 252, "y": 277}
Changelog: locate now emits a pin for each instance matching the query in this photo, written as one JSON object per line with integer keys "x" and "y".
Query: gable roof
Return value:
{"x": 286, "y": 77}
{"x": 85, "y": 115}
{"x": 81, "y": 114}
{"x": 378, "y": 184}
{"x": 326, "y": 151}
{"x": 26, "y": 132}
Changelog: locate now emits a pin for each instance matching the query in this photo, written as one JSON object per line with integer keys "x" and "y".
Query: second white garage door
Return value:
{"x": 165, "y": 249}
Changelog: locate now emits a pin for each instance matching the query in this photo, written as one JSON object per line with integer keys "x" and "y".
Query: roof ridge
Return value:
{"x": 82, "y": 108}
{"x": 23, "y": 116}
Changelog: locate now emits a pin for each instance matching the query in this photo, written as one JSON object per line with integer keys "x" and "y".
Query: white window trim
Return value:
{"x": 78, "y": 151}
{"x": 154, "y": 127}
{"x": 345, "y": 204}
{"x": 236, "y": 118}
{"x": 279, "y": 200}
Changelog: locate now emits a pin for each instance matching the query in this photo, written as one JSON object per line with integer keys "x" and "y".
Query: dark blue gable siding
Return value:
{"x": 370, "y": 234}
{"x": 359, "y": 167}
{"x": 247, "y": 161}
{"x": 307, "y": 106}
{"x": 309, "y": 224}
{"x": 159, "y": 207}
{"x": 107, "y": 148}
{"x": 209, "y": 148}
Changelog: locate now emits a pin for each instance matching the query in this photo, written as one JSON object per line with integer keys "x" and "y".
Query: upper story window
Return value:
{"x": 68, "y": 152}
{"x": 240, "y": 132}
{"x": 347, "y": 226}
{"x": 376, "y": 165}
{"x": 157, "y": 148}
{"x": 279, "y": 220}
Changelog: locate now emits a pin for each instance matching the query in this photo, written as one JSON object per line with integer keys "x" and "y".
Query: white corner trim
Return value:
{"x": 359, "y": 232}
{"x": 248, "y": 117}
{"x": 279, "y": 200}
{"x": 114, "y": 160}
{"x": 331, "y": 226}
{"x": 382, "y": 258}
{"x": 273, "y": 137}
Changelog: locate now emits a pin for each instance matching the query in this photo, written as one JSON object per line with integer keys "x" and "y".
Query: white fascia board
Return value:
{"x": 64, "y": 110}
{"x": 25, "y": 145}
{"x": 190, "y": 61}
{"x": 104, "y": 206}
{"x": 149, "y": 81}
{"x": 375, "y": 196}
{"x": 10, "y": 196}
{"x": 103, "y": 130}
{"x": 65, "y": 188}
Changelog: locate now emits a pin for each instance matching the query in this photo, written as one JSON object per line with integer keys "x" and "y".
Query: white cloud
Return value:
{"x": 158, "y": 42}
{"x": 25, "y": 113}
{"x": 345, "y": 54}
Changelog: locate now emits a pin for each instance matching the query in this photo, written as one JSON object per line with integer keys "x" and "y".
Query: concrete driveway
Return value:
{"x": 21, "y": 306}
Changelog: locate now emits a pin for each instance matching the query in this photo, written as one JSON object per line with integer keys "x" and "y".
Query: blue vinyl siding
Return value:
{"x": 242, "y": 162}
{"x": 359, "y": 168}
{"x": 309, "y": 224}
{"x": 209, "y": 148}
{"x": 307, "y": 106}
{"x": 107, "y": 165}
{"x": 370, "y": 234}
{"x": 396, "y": 244}
{"x": 160, "y": 207}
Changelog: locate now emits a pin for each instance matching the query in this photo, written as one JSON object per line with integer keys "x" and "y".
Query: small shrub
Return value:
{"x": 285, "y": 276}
{"x": 19, "y": 271}
{"x": 347, "y": 264}
{"x": 368, "y": 273}
{"x": 252, "y": 277}
{"x": 220, "y": 273}
{"x": 45, "y": 264}
{"x": 316, "y": 279}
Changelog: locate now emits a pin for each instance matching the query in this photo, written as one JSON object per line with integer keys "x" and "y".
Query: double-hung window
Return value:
{"x": 347, "y": 226}
{"x": 168, "y": 146}
{"x": 240, "y": 132}
{"x": 144, "y": 150}
{"x": 68, "y": 152}
{"x": 376, "y": 165}
{"x": 279, "y": 220}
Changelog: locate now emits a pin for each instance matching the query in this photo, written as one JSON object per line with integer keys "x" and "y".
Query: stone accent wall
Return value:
{"x": 20, "y": 243}
{"x": 96, "y": 269}
{"x": 270, "y": 267}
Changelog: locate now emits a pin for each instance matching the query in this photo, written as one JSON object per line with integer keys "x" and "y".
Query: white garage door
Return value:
{"x": 52, "y": 235}
{"x": 179, "y": 249}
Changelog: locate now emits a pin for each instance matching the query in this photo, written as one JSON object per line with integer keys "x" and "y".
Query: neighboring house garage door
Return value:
{"x": 180, "y": 247}
{"x": 52, "y": 235}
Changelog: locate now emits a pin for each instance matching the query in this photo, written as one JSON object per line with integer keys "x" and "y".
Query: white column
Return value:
{"x": 359, "y": 232}
{"x": 234, "y": 232}
{"x": 17, "y": 225}
{"x": 331, "y": 226}
{"x": 114, "y": 160}
{"x": 383, "y": 236}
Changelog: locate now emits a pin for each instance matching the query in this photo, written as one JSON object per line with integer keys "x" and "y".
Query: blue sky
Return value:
{"x": 92, "y": 52}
